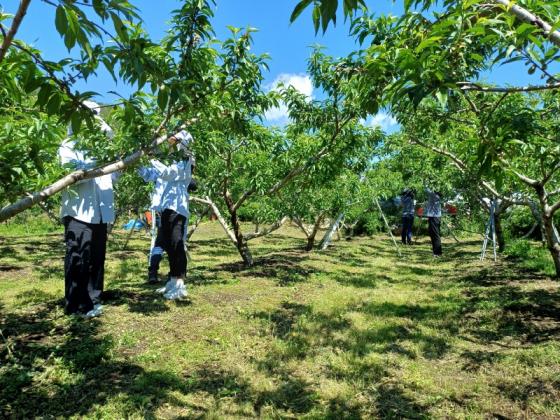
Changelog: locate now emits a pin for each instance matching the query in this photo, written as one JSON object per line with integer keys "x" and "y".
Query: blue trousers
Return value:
{"x": 407, "y": 223}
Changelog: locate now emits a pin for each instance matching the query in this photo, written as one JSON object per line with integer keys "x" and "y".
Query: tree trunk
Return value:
{"x": 538, "y": 218}
{"x": 499, "y": 232}
{"x": 552, "y": 241}
{"x": 240, "y": 241}
{"x": 245, "y": 253}
{"x": 313, "y": 234}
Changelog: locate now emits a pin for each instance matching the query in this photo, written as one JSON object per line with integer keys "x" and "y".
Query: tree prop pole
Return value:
{"x": 494, "y": 231}
{"x": 329, "y": 235}
{"x": 130, "y": 233}
{"x": 387, "y": 226}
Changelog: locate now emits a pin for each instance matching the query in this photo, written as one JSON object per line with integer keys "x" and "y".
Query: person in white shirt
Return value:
{"x": 171, "y": 200}
{"x": 87, "y": 208}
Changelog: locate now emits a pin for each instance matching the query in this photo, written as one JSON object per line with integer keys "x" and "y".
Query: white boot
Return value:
{"x": 178, "y": 292}
{"x": 96, "y": 311}
{"x": 169, "y": 286}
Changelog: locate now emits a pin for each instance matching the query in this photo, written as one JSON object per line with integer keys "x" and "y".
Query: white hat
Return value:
{"x": 96, "y": 109}
{"x": 184, "y": 139}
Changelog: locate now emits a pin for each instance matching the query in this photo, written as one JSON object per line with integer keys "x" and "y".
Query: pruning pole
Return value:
{"x": 387, "y": 226}
{"x": 451, "y": 230}
{"x": 130, "y": 234}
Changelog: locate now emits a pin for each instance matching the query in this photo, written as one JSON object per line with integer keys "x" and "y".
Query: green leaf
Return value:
{"x": 316, "y": 18}
{"x": 120, "y": 28}
{"x": 61, "y": 22}
{"x": 300, "y": 7}
{"x": 76, "y": 122}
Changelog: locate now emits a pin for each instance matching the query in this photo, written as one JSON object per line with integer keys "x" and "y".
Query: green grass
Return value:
{"x": 353, "y": 332}
{"x": 531, "y": 255}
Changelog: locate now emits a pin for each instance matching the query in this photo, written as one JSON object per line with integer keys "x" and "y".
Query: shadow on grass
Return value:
{"x": 88, "y": 376}
{"x": 284, "y": 268}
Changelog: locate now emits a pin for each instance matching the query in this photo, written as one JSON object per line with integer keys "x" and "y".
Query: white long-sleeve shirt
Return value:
{"x": 171, "y": 185}
{"x": 90, "y": 200}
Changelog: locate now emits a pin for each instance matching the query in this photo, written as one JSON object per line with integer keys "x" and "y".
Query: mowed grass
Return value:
{"x": 353, "y": 332}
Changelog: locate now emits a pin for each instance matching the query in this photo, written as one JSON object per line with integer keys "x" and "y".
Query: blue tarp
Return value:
{"x": 134, "y": 224}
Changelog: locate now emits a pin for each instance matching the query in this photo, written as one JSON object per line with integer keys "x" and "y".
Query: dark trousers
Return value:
{"x": 84, "y": 263}
{"x": 434, "y": 224}
{"x": 407, "y": 223}
{"x": 171, "y": 238}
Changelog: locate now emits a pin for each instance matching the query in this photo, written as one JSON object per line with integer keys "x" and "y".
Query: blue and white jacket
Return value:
{"x": 171, "y": 185}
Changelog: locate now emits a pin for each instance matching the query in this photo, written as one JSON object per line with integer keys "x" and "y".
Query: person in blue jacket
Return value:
{"x": 171, "y": 200}
{"x": 407, "y": 204}
{"x": 433, "y": 213}
{"x": 87, "y": 209}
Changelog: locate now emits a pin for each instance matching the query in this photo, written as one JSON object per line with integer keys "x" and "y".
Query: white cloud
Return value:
{"x": 384, "y": 121}
{"x": 301, "y": 82}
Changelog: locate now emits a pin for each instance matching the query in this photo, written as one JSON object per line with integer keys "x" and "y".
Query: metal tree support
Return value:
{"x": 388, "y": 227}
{"x": 490, "y": 230}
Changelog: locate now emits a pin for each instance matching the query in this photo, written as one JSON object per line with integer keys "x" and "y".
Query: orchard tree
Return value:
{"x": 184, "y": 79}
{"x": 506, "y": 145}
{"x": 332, "y": 188}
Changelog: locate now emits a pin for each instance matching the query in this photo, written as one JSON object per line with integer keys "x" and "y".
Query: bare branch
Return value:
{"x": 275, "y": 226}
{"x": 470, "y": 86}
{"x": 70, "y": 179}
{"x": 526, "y": 16}
{"x": 22, "y": 10}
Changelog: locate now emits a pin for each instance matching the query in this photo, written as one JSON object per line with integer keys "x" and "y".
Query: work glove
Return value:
{"x": 184, "y": 139}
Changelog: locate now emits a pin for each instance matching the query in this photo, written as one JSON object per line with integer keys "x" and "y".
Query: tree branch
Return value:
{"x": 275, "y": 226}
{"x": 527, "y": 180}
{"x": 70, "y": 179}
{"x": 526, "y": 16}
{"x": 22, "y": 10}
{"x": 470, "y": 86}
{"x": 462, "y": 166}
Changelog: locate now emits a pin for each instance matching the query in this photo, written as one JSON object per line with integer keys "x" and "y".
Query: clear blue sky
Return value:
{"x": 288, "y": 45}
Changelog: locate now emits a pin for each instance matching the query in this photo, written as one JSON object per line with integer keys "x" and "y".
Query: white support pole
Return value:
{"x": 330, "y": 233}
{"x": 388, "y": 227}
{"x": 153, "y": 233}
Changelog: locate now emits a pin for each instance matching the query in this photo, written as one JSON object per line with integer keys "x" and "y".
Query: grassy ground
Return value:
{"x": 349, "y": 333}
